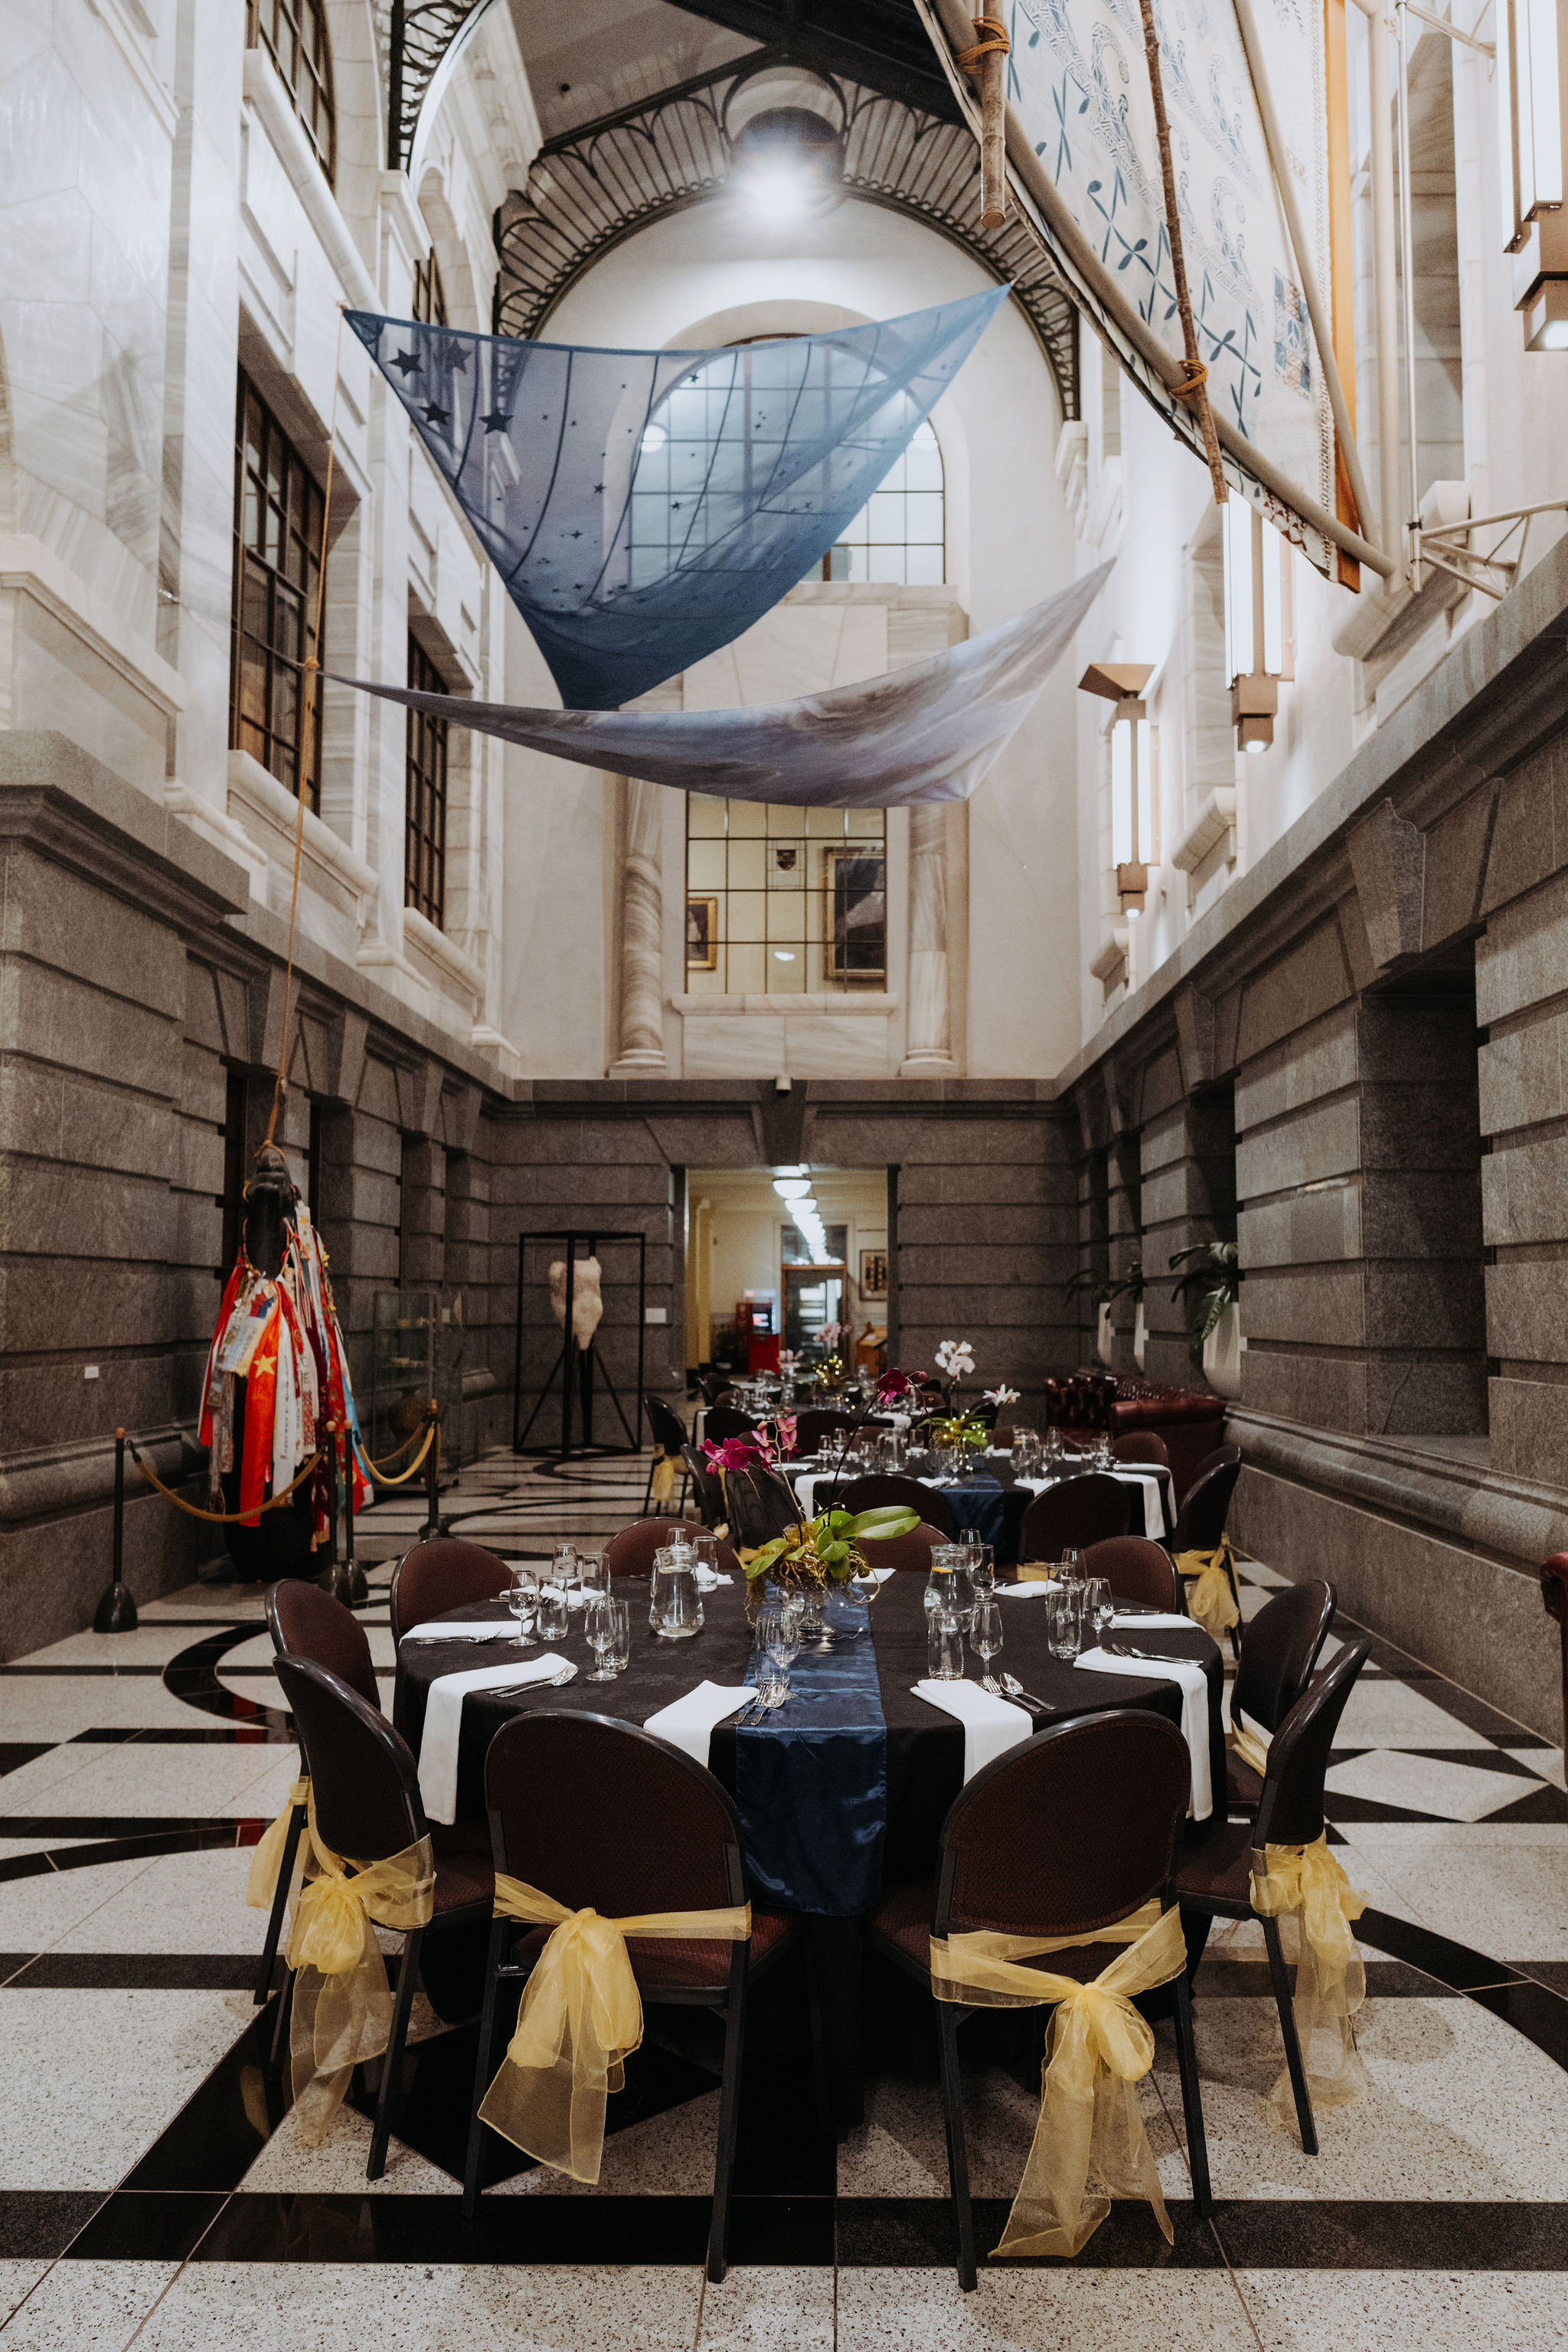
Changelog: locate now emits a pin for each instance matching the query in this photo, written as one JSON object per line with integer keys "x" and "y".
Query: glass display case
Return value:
{"x": 417, "y": 1346}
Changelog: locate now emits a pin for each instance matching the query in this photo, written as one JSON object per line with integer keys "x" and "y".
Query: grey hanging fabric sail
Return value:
{"x": 926, "y": 732}
{"x": 644, "y": 507}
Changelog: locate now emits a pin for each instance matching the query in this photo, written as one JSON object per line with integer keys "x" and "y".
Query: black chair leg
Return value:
{"x": 280, "y": 1905}
{"x": 1236, "y": 1629}
{"x": 392, "y": 2063}
{"x": 957, "y": 2147}
{"x": 1285, "y": 2005}
{"x": 279, "y": 2049}
{"x": 1192, "y": 2101}
{"x": 483, "y": 2069}
{"x": 728, "y": 2117}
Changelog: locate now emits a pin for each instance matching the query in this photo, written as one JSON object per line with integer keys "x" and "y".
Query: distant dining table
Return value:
{"x": 992, "y": 1508}
{"x": 843, "y": 1792}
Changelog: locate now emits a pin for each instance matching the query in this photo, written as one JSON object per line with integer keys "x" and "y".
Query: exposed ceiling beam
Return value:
{"x": 880, "y": 44}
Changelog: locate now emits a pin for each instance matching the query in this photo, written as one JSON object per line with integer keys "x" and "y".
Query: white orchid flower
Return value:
{"x": 1001, "y": 1396}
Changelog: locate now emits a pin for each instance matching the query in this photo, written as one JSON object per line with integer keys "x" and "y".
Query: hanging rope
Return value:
{"x": 221, "y": 1519}
{"x": 411, "y": 1439}
{"x": 312, "y": 671}
{"x": 1194, "y": 388}
{"x": 432, "y": 1436}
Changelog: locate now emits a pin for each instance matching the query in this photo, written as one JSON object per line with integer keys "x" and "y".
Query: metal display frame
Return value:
{"x": 575, "y": 1365}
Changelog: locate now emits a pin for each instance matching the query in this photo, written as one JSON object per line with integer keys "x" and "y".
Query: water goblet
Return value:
{"x": 1061, "y": 1624}
{"x": 618, "y": 1617}
{"x": 1098, "y": 1605}
{"x": 591, "y": 1573}
{"x": 985, "y": 1634}
{"x": 521, "y": 1601}
{"x": 599, "y": 1626}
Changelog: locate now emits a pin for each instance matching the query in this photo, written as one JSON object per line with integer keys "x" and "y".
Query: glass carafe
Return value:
{"x": 675, "y": 1604}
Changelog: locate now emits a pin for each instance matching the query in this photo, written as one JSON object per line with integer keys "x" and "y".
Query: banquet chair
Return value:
{"x": 1214, "y": 1461}
{"x": 631, "y": 1552}
{"x": 365, "y": 1787}
{"x": 633, "y": 1826}
{"x": 885, "y": 1489}
{"x": 1200, "y": 1523}
{"x": 1142, "y": 1446}
{"x": 1279, "y": 1653}
{"x": 705, "y": 1486}
{"x": 444, "y": 1573}
{"x": 726, "y": 1421}
{"x": 1071, "y": 1832}
{"x": 909, "y": 1552}
{"x": 818, "y": 1422}
{"x": 1074, "y": 1514}
{"x": 1136, "y": 1569}
{"x": 1214, "y": 1880}
{"x": 306, "y": 1622}
{"x": 669, "y": 1437}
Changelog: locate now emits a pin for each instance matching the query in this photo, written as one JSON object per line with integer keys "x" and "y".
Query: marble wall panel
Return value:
{"x": 1303, "y": 1148}
{"x": 1524, "y": 1075}
{"x": 1525, "y": 1192}
{"x": 1319, "y": 1059}
{"x": 1521, "y": 957}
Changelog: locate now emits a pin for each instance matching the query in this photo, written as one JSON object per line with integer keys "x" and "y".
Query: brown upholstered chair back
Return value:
{"x": 818, "y": 1422}
{"x": 631, "y": 1552}
{"x": 1142, "y": 1446}
{"x": 306, "y": 1622}
{"x": 912, "y": 1552}
{"x": 631, "y": 1825}
{"x": 1280, "y": 1650}
{"x": 1076, "y": 1512}
{"x": 885, "y": 1489}
{"x": 722, "y": 1421}
{"x": 1074, "y": 1828}
{"x": 1291, "y": 1810}
{"x": 363, "y": 1774}
{"x": 1136, "y": 1570}
{"x": 1214, "y": 1461}
{"x": 439, "y": 1575}
{"x": 1205, "y": 1508}
{"x": 669, "y": 1429}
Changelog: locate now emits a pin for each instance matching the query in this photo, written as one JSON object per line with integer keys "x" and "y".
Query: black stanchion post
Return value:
{"x": 359, "y": 1591}
{"x": 334, "y": 1577}
{"x": 116, "y": 1612}
{"x": 433, "y": 1477}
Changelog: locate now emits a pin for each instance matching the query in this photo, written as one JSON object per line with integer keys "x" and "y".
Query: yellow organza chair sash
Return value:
{"x": 1209, "y": 1599}
{"x": 1098, "y": 2050}
{"x": 343, "y": 2005}
{"x": 267, "y": 1862}
{"x": 663, "y": 1471}
{"x": 1309, "y": 1883}
{"x": 1252, "y": 1746}
{"x": 579, "y": 2021}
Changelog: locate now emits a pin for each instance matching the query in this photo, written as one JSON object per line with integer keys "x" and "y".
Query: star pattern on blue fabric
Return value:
{"x": 435, "y": 414}
{"x": 497, "y": 421}
{"x": 405, "y": 361}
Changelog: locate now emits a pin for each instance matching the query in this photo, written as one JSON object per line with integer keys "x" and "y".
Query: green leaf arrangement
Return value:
{"x": 825, "y": 1550}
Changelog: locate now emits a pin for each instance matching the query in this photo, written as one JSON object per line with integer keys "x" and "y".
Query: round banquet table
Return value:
{"x": 924, "y": 1746}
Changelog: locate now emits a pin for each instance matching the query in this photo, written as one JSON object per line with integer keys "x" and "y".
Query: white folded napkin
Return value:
{"x": 688, "y": 1723}
{"x": 467, "y": 1629}
{"x": 1150, "y": 1623}
{"x": 707, "y": 1577}
{"x": 444, "y": 1720}
{"x": 1028, "y": 1587}
{"x": 1194, "y": 1687}
{"x": 991, "y": 1726}
{"x": 1153, "y": 1498}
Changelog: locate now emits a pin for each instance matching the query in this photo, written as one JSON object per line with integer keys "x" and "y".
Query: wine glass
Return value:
{"x": 1098, "y": 1604}
{"x": 522, "y": 1601}
{"x": 1070, "y": 1567}
{"x": 985, "y": 1634}
{"x": 601, "y": 1631}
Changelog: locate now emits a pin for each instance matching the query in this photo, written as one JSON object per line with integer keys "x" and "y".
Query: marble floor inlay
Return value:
{"x": 156, "y": 2192}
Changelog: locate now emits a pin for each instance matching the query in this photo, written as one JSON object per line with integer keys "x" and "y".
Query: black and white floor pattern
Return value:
{"x": 153, "y": 2193}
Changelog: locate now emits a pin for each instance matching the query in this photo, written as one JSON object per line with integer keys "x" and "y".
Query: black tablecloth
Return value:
{"x": 925, "y": 1748}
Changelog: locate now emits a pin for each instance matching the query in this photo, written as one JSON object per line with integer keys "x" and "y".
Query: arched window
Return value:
{"x": 294, "y": 35}
{"x": 900, "y": 534}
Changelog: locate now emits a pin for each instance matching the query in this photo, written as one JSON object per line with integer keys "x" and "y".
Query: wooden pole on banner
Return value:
{"x": 1195, "y": 388}
{"x": 987, "y": 61}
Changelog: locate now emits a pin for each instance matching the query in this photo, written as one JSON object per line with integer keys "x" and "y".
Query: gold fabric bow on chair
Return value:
{"x": 1309, "y": 1882}
{"x": 267, "y": 1862}
{"x": 579, "y": 2020}
{"x": 1210, "y": 1600}
{"x": 663, "y": 1487}
{"x": 1250, "y": 1743}
{"x": 343, "y": 2005}
{"x": 1098, "y": 2051}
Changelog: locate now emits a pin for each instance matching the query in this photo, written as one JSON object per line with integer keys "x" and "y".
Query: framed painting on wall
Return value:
{"x": 873, "y": 1274}
{"x": 701, "y": 934}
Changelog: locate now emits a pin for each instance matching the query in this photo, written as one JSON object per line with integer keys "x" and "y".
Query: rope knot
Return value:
{"x": 993, "y": 42}
{"x": 1192, "y": 384}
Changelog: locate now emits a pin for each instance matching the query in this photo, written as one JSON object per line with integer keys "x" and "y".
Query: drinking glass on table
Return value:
{"x": 552, "y": 1615}
{"x": 944, "y": 1646}
{"x": 618, "y": 1615}
{"x": 563, "y": 1567}
{"x": 591, "y": 1574}
{"x": 985, "y": 1634}
{"x": 522, "y": 1601}
{"x": 599, "y": 1626}
{"x": 1098, "y": 1608}
{"x": 772, "y": 1684}
{"x": 1069, "y": 1567}
{"x": 980, "y": 1563}
{"x": 1062, "y": 1623}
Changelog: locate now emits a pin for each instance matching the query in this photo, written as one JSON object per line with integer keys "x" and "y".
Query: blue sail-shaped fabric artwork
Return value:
{"x": 644, "y": 507}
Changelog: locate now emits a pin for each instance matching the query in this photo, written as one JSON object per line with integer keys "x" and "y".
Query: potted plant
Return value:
{"x": 1105, "y": 1289}
{"x": 1212, "y": 1288}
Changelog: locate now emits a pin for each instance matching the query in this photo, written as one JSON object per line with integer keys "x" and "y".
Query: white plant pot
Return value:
{"x": 1104, "y": 1337}
{"x": 1222, "y": 1355}
{"x": 1139, "y": 1336}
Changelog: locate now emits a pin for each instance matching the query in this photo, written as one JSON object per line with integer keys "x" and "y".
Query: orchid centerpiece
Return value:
{"x": 825, "y": 1550}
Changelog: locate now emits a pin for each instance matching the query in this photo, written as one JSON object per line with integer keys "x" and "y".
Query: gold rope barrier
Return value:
{"x": 221, "y": 1519}
{"x": 431, "y": 1435}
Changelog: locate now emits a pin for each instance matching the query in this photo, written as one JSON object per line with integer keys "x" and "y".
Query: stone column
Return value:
{"x": 929, "y": 1047}
{"x": 642, "y": 931}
